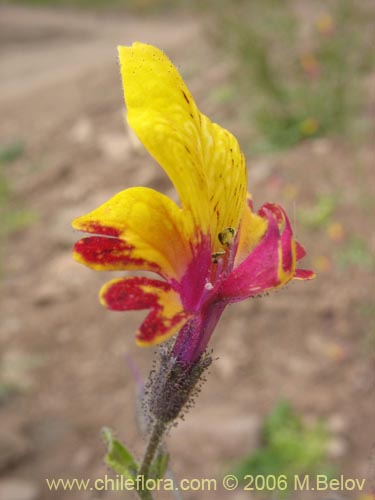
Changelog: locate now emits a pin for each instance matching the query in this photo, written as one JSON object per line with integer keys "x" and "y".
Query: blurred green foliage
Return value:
{"x": 12, "y": 217}
{"x": 290, "y": 447}
{"x": 319, "y": 215}
{"x": 16, "y": 373}
{"x": 141, "y": 6}
{"x": 356, "y": 253}
{"x": 298, "y": 64}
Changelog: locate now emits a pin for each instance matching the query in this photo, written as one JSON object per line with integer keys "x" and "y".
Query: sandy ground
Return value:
{"x": 60, "y": 93}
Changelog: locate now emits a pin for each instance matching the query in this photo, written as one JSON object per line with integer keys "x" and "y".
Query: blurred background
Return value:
{"x": 292, "y": 391}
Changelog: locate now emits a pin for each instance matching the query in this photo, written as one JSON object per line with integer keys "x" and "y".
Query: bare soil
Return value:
{"x": 71, "y": 361}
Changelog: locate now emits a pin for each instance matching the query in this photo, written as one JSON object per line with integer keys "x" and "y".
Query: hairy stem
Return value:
{"x": 152, "y": 447}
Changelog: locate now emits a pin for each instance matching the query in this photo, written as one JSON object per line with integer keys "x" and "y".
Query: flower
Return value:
{"x": 310, "y": 65}
{"x": 213, "y": 250}
{"x": 325, "y": 24}
{"x": 309, "y": 126}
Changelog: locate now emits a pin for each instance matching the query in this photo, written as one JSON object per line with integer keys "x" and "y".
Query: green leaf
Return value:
{"x": 11, "y": 152}
{"x": 118, "y": 457}
{"x": 160, "y": 464}
{"x": 290, "y": 447}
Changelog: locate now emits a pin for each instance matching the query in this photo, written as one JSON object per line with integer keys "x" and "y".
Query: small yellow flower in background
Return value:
{"x": 336, "y": 351}
{"x": 309, "y": 127}
{"x": 335, "y": 231}
{"x": 310, "y": 65}
{"x": 290, "y": 191}
{"x": 325, "y": 24}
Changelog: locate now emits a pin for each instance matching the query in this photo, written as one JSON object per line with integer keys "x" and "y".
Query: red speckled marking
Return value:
{"x": 110, "y": 253}
{"x": 97, "y": 228}
{"x": 127, "y": 294}
{"x": 155, "y": 326}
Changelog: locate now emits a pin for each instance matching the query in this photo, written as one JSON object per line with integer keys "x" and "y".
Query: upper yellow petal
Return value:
{"x": 202, "y": 159}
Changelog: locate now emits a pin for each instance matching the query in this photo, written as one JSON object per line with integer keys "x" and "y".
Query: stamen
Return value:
{"x": 226, "y": 236}
{"x": 216, "y": 256}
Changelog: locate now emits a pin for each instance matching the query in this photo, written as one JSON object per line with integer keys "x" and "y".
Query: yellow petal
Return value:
{"x": 252, "y": 229}
{"x": 203, "y": 160}
{"x": 155, "y": 229}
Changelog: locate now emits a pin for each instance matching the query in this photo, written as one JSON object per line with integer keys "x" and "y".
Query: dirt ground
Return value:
{"x": 70, "y": 360}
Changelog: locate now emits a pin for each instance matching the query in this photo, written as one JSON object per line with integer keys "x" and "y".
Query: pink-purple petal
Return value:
{"x": 259, "y": 271}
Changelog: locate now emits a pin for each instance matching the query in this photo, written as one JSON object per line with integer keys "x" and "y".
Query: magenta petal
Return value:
{"x": 287, "y": 242}
{"x": 304, "y": 274}
{"x": 300, "y": 251}
{"x": 287, "y": 247}
{"x": 259, "y": 271}
{"x": 191, "y": 285}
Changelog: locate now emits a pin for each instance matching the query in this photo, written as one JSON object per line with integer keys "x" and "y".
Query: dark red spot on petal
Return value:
{"x": 97, "y": 228}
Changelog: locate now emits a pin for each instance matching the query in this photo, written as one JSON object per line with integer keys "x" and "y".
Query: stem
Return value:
{"x": 152, "y": 446}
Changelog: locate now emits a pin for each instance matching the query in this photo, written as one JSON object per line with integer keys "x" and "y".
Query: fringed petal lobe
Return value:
{"x": 137, "y": 293}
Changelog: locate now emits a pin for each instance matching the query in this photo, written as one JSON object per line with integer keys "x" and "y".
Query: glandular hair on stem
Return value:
{"x": 172, "y": 386}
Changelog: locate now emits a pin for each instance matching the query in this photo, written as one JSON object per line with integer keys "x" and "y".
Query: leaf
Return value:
{"x": 118, "y": 457}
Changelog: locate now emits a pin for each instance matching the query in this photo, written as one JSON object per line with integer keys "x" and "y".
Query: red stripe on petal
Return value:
{"x": 97, "y": 228}
{"x": 107, "y": 254}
